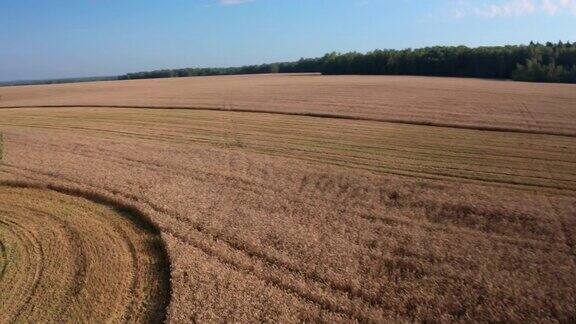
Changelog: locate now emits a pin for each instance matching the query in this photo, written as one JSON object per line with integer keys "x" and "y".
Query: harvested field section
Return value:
{"x": 67, "y": 259}
{"x": 446, "y": 101}
{"x": 256, "y": 237}
{"x": 532, "y": 161}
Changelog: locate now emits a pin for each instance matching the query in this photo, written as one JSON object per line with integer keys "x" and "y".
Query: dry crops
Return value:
{"x": 270, "y": 210}
{"x": 68, "y": 259}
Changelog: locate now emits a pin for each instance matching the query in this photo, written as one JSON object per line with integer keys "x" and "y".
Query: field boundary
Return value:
{"x": 318, "y": 115}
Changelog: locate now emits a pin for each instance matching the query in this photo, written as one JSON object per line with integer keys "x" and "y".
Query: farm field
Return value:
{"x": 456, "y": 102}
{"x": 68, "y": 259}
{"x": 290, "y": 198}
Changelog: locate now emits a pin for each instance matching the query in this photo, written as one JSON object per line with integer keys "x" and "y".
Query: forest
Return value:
{"x": 550, "y": 62}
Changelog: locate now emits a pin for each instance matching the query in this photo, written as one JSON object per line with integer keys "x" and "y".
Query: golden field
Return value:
{"x": 67, "y": 259}
{"x": 290, "y": 198}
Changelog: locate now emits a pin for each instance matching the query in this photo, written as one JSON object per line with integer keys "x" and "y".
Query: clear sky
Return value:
{"x": 74, "y": 38}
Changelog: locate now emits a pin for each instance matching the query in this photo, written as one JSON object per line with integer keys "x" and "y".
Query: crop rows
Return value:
{"x": 438, "y": 101}
{"x": 67, "y": 259}
{"x": 428, "y": 152}
{"x": 280, "y": 217}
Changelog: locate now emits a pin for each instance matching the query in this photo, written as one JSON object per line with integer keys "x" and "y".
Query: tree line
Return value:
{"x": 57, "y": 81}
{"x": 303, "y": 65}
{"x": 550, "y": 62}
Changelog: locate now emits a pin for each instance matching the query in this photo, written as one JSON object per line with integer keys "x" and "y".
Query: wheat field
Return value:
{"x": 67, "y": 259}
{"x": 290, "y": 198}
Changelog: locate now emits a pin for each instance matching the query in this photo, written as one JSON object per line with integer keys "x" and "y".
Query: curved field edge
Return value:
{"x": 149, "y": 257}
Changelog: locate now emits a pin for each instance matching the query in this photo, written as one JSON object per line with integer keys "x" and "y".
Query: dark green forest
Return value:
{"x": 550, "y": 62}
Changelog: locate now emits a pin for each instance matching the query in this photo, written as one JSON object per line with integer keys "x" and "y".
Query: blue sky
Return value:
{"x": 68, "y": 38}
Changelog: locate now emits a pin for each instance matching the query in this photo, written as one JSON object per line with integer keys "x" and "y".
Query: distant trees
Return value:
{"x": 57, "y": 81}
{"x": 302, "y": 65}
{"x": 534, "y": 62}
{"x": 534, "y": 70}
{"x": 552, "y": 63}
